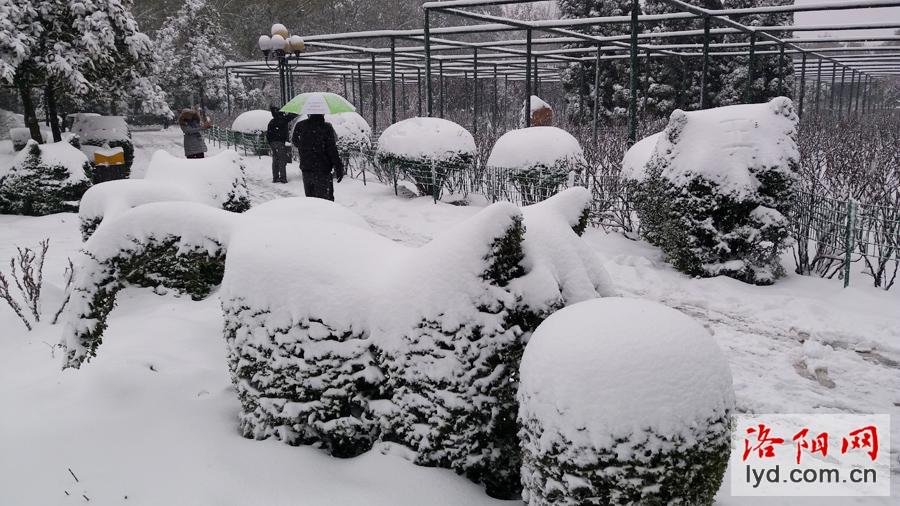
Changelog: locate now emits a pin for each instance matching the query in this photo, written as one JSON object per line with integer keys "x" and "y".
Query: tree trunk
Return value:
{"x": 31, "y": 120}
{"x": 50, "y": 98}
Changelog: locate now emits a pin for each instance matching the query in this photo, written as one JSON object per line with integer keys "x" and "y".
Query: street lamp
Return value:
{"x": 279, "y": 45}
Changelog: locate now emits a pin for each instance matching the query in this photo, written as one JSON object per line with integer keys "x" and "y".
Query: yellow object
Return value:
{"x": 109, "y": 158}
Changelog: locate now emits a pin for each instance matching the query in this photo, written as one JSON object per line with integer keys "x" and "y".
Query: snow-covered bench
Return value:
{"x": 335, "y": 348}
{"x": 217, "y": 181}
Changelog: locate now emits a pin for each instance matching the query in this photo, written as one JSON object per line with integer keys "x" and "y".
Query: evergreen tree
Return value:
{"x": 578, "y": 78}
{"x": 765, "y": 67}
{"x": 674, "y": 83}
{"x": 81, "y": 48}
{"x": 193, "y": 50}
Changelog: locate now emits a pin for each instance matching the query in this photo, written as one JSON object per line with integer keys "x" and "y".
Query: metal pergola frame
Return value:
{"x": 423, "y": 56}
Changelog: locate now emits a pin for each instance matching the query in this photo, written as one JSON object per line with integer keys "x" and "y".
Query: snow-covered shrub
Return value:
{"x": 623, "y": 401}
{"x": 105, "y": 131}
{"x": 216, "y": 181}
{"x": 179, "y": 245}
{"x": 21, "y": 135}
{"x": 353, "y": 132}
{"x": 538, "y": 159}
{"x": 252, "y": 122}
{"x": 44, "y": 179}
{"x": 713, "y": 190}
{"x": 334, "y": 349}
{"x": 424, "y": 150}
{"x": 296, "y": 299}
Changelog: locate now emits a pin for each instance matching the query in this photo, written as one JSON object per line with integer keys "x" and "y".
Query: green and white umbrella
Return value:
{"x": 318, "y": 102}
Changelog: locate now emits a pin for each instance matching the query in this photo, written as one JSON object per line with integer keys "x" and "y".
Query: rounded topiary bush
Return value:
{"x": 425, "y": 150}
{"x": 44, "y": 179}
{"x": 537, "y": 160}
{"x": 623, "y": 401}
{"x": 712, "y": 190}
{"x": 253, "y": 124}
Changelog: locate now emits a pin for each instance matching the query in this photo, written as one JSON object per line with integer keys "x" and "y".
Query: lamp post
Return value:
{"x": 279, "y": 45}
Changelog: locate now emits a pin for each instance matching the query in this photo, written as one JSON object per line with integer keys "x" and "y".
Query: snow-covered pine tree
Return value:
{"x": 192, "y": 49}
{"x": 83, "y": 48}
{"x": 674, "y": 83}
{"x": 578, "y": 78}
{"x": 765, "y": 67}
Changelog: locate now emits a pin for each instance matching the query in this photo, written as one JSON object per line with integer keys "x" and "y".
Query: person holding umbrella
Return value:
{"x": 316, "y": 141}
{"x": 277, "y": 136}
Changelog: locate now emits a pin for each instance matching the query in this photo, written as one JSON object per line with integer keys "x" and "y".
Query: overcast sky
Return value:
{"x": 880, "y": 15}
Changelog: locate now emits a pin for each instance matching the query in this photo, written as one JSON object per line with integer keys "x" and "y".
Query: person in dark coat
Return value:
{"x": 192, "y": 127}
{"x": 277, "y": 136}
{"x": 317, "y": 144}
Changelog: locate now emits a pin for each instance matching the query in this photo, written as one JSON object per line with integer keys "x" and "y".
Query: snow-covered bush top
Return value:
{"x": 560, "y": 268}
{"x": 216, "y": 181}
{"x": 55, "y": 154}
{"x": 352, "y": 130}
{"x": 318, "y": 244}
{"x": 634, "y": 164}
{"x": 613, "y": 367}
{"x": 93, "y": 129}
{"x": 426, "y": 139}
{"x": 252, "y": 122}
{"x": 536, "y": 146}
{"x": 724, "y": 145}
{"x": 208, "y": 180}
{"x": 301, "y": 256}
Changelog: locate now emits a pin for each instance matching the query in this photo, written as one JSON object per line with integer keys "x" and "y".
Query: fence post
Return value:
{"x": 848, "y": 239}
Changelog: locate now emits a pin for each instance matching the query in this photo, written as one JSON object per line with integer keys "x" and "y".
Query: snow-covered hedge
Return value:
{"x": 713, "y": 189}
{"x": 329, "y": 348}
{"x": 353, "y": 132}
{"x": 217, "y": 181}
{"x": 44, "y": 179}
{"x": 539, "y": 160}
{"x": 177, "y": 245}
{"x": 623, "y": 401}
{"x": 252, "y": 122}
{"x": 103, "y": 131}
{"x": 425, "y": 149}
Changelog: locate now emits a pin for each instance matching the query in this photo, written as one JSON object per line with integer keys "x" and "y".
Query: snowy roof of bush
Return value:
{"x": 634, "y": 164}
{"x": 612, "y": 367}
{"x": 349, "y": 127}
{"x": 539, "y": 145}
{"x": 59, "y": 154}
{"x": 536, "y": 103}
{"x": 426, "y": 138}
{"x": 254, "y": 121}
{"x": 103, "y": 128}
{"x": 168, "y": 178}
{"x": 558, "y": 263}
{"x": 724, "y": 145}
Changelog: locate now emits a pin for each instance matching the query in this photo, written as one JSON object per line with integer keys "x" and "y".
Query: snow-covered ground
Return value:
{"x": 153, "y": 419}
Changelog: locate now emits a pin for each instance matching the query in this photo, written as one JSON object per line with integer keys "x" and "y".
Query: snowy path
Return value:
{"x": 154, "y": 417}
